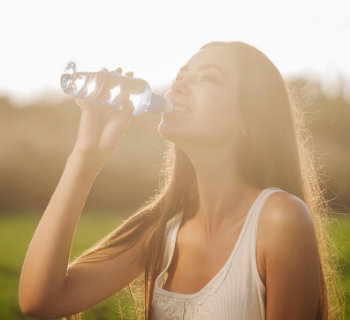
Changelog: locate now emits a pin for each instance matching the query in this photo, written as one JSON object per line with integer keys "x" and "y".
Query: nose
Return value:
{"x": 179, "y": 88}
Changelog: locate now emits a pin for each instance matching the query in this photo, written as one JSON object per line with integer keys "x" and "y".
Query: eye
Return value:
{"x": 205, "y": 77}
{"x": 208, "y": 78}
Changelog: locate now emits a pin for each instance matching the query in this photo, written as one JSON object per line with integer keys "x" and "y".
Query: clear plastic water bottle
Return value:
{"x": 107, "y": 87}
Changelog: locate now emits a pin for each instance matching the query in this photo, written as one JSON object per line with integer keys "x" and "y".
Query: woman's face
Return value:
{"x": 206, "y": 87}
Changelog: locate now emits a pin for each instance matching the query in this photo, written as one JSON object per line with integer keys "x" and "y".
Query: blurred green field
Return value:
{"x": 16, "y": 232}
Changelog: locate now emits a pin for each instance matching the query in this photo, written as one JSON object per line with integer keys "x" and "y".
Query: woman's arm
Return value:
{"x": 48, "y": 288}
{"x": 291, "y": 259}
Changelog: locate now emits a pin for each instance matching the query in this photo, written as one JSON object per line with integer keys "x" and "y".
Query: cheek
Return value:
{"x": 212, "y": 121}
{"x": 216, "y": 126}
{"x": 217, "y": 101}
{"x": 217, "y": 116}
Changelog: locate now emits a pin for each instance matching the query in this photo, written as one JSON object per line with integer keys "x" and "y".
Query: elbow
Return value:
{"x": 34, "y": 309}
{"x": 36, "y": 303}
{"x": 31, "y": 311}
{"x": 27, "y": 303}
{"x": 42, "y": 310}
{"x": 36, "y": 312}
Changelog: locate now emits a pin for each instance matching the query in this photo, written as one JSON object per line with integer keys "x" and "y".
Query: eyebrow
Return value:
{"x": 205, "y": 66}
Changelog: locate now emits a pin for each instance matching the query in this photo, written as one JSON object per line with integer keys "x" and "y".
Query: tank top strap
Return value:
{"x": 170, "y": 237}
{"x": 253, "y": 225}
{"x": 253, "y": 230}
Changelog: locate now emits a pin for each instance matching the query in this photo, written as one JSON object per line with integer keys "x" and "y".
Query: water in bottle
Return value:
{"x": 107, "y": 87}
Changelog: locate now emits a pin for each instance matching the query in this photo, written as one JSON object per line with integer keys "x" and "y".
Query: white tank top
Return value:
{"x": 235, "y": 292}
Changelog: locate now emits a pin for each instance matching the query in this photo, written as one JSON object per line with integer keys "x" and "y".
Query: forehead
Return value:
{"x": 219, "y": 56}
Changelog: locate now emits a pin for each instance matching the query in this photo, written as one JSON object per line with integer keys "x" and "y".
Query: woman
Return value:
{"x": 234, "y": 231}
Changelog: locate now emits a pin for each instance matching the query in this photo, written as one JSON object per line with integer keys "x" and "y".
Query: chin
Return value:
{"x": 183, "y": 133}
{"x": 172, "y": 131}
{"x": 166, "y": 132}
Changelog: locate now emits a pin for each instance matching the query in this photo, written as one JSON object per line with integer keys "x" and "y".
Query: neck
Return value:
{"x": 223, "y": 195}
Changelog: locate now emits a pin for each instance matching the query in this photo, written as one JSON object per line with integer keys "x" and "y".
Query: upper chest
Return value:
{"x": 195, "y": 262}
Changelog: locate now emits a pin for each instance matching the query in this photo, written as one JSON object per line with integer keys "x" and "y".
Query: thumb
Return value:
{"x": 128, "y": 106}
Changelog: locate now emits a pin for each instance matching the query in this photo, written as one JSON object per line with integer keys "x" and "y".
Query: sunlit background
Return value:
{"x": 154, "y": 38}
{"x": 308, "y": 41}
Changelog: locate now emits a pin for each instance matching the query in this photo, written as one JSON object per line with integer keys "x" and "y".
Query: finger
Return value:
{"x": 80, "y": 102}
{"x": 129, "y": 74}
{"x": 167, "y": 94}
{"x": 120, "y": 70}
{"x": 77, "y": 101}
{"x": 127, "y": 104}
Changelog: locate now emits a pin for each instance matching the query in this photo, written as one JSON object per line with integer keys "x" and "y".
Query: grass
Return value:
{"x": 17, "y": 230}
{"x": 339, "y": 231}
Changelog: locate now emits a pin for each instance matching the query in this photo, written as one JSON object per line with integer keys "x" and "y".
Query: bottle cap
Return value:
{"x": 159, "y": 104}
{"x": 169, "y": 106}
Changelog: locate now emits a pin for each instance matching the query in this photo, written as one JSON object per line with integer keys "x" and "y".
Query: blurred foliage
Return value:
{"x": 36, "y": 140}
{"x": 328, "y": 118}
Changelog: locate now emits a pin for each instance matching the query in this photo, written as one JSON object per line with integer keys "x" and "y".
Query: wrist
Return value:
{"x": 85, "y": 160}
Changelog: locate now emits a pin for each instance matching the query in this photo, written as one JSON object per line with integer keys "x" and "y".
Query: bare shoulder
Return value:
{"x": 285, "y": 227}
{"x": 288, "y": 257}
{"x": 285, "y": 215}
{"x": 285, "y": 205}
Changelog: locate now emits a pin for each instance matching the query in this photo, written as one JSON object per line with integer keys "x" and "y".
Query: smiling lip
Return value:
{"x": 180, "y": 104}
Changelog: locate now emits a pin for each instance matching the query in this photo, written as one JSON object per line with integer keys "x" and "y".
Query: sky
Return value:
{"x": 155, "y": 38}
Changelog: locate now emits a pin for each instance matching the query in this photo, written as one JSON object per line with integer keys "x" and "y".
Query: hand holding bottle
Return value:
{"x": 101, "y": 126}
{"x": 105, "y": 87}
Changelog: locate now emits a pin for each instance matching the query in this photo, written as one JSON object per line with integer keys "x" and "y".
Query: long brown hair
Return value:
{"x": 275, "y": 152}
